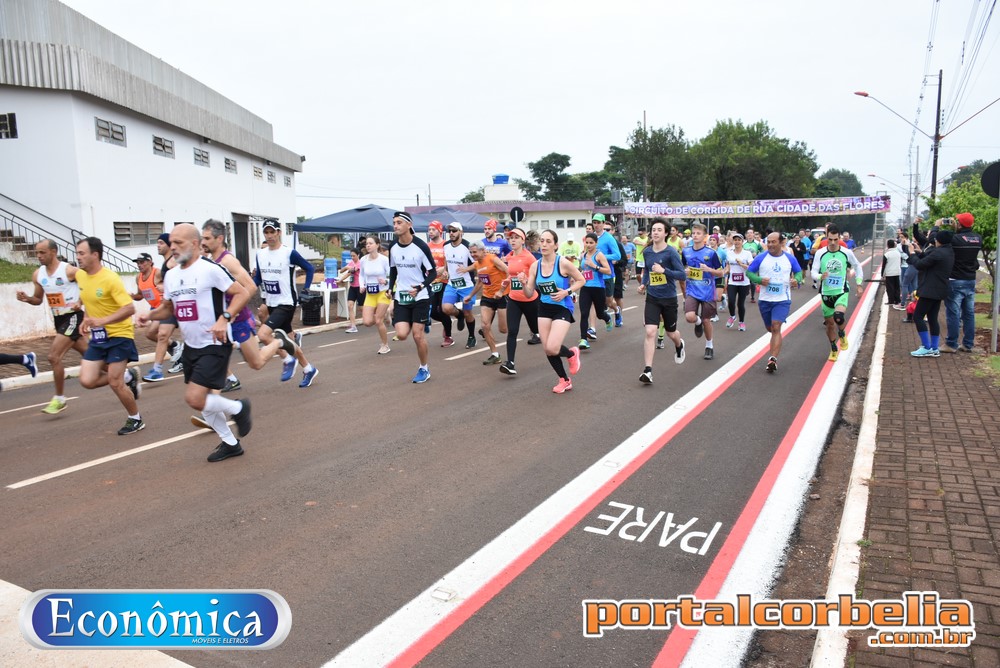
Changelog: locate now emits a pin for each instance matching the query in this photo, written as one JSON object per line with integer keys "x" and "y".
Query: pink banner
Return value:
{"x": 761, "y": 208}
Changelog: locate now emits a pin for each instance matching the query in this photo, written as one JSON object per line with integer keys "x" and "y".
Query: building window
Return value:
{"x": 258, "y": 173}
{"x": 110, "y": 132}
{"x": 271, "y": 177}
{"x": 288, "y": 182}
{"x": 164, "y": 147}
{"x": 8, "y": 126}
{"x": 230, "y": 165}
{"x": 534, "y": 224}
{"x": 201, "y": 157}
{"x": 137, "y": 234}
{"x": 560, "y": 224}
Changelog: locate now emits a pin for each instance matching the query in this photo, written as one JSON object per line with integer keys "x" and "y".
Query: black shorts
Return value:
{"x": 609, "y": 287}
{"x": 619, "y": 289}
{"x": 495, "y": 303}
{"x": 68, "y": 324}
{"x": 418, "y": 312}
{"x": 280, "y": 317}
{"x": 554, "y": 312}
{"x": 657, "y": 308}
{"x": 354, "y": 294}
{"x": 207, "y": 366}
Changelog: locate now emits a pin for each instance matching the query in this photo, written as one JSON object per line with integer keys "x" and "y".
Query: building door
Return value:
{"x": 241, "y": 239}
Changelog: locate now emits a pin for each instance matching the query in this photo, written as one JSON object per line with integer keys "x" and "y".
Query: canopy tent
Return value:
{"x": 471, "y": 221}
{"x": 367, "y": 219}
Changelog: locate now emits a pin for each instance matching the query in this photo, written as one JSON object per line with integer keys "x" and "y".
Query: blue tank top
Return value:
{"x": 549, "y": 285}
{"x": 594, "y": 278}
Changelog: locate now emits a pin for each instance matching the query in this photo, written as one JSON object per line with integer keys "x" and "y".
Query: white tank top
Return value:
{"x": 59, "y": 290}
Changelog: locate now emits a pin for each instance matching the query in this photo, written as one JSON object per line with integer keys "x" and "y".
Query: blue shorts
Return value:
{"x": 241, "y": 331}
{"x": 115, "y": 349}
{"x": 774, "y": 311}
{"x": 454, "y": 296}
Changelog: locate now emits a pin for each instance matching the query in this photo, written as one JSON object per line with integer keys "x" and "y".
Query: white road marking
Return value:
{"x": 24, "y": 408}
{"x": 327, "y": 345}
{"x": 477, "y": 351}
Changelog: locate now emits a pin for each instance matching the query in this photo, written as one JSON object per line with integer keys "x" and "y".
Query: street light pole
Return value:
{"x": 937, "y": 140}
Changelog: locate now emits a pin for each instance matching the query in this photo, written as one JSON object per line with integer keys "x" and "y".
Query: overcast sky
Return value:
{"x": 390, "y": 99}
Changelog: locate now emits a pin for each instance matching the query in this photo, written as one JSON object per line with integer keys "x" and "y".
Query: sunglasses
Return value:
{"x": 452, "y": 231}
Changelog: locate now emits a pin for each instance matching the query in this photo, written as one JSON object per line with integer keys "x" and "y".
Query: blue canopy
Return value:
{"x": 471, "y": 221}
{"x": 370, "y": 218}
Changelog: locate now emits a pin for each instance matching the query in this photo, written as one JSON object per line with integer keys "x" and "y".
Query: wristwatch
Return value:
{"x": 227, "y": 315}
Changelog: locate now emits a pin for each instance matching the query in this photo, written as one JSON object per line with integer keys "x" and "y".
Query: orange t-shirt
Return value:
{"x": 517, "y": 264}
{"x": 147, "y": 286}
{"x": 491, "y": 277}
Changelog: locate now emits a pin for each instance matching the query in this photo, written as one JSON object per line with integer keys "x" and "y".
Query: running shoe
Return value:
{"x": 225, "y": 452}
{"x": 699, "y": 329}
{"x": 351, "y": 330}
{"x": 134, "y": 383}
{"x": 618, "y": 318}
{"x": 494, "y": 358}
{"x": 481, "y": 335}
{"x": 574, "y": 361}
{"x": 383, "y": 350}
{"x": 32, "y": 364}
{"x": 427, "y": 328}
{"x": 199, "y": 421}
{"x": 308, "y": 377}
{"x": 153, "y": 377}
{"x": 471, "y": 342}
{"x": 659, "y": 343}
{"x": 534, "y": 340}
{"x": 680, "y": 354}
{"x": 286, "y": 341}
{"x": 922, "y": 352}
{"x": 448, "y": 342}
{"x": 423, "y": 375}
{"x": 646, "y": 377}
{"x": 753, "y": 301}
{"x": 714, "y": 318}
{"x": 743, "y": 327}
{"x": 461, "y": 322}
{"x": 709, "y": 353}
{"x": 935, "y": 352}
{"x": 178, "y": 367}
{"x": 288, "y": 369}
{"x": 232, "y": 386}
{"x": 591, "y": 334}
{"x": 395, "y": 337}
{"x": 131, "y": 426}
{"x": 298, "y": 339}
{"x": 508, "y": 368}
{"x": 772, "y": 364}
{"x": 54, "y": 406}
{"x": 584, "y": 344}
{"x": 243, "y": 419}
{"x": 562, "y": 386}
{"x": 843, "y": 343}
{"x": 899, "y": 307}
{"x": 731, "y": 322}
{"x": 834, "y": 354}
{"x": 175, "y": 355}
{"x": 608, "y": 326}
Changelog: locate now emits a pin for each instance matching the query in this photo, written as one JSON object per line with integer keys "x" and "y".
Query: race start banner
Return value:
{"x": 761, "y": 208}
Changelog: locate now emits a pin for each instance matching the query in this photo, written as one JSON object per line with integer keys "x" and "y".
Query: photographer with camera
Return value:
{"x": 960, "y": 304}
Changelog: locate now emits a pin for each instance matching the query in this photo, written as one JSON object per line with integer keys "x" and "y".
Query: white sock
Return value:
{"x": 128, "y": 376}
{"x": 217, "y": 420}
{"x": 232, "y": 377}
{"x": 216, "y": 403}
{"x": 309, "y": 368}
{"x": 135, "y": 417}
{"x": 708, "y": 344}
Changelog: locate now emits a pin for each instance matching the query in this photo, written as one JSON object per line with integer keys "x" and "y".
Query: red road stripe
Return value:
{"x": 436, "y": 635}
{"x": 679, "y": 641}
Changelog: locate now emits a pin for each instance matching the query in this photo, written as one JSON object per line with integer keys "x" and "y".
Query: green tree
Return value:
{"x": 657, "y": 161}
{"x": 552, "y": 183}
{"x": 969, "y": 196}
{"x": 478, "y": 195}
{"x": 847, "y": 182}
{"x": 971, "y": 172}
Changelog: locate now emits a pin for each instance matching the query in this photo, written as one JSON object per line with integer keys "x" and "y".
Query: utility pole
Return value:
{"x": 429, "y": 202}
{"x": 418, "y": 199}
{"x": 937, "y": 141}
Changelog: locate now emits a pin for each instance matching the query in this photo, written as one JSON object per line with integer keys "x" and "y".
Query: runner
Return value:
{"x": 570, "y": 249}
{"x": 630, "y": 251}
{"x": 641, "y": 240}
{"x": 349, "y": 275}
{"x": 830, "y": 267}
{"x": 720, "y": 281}
{"x": 276, "y": 276}
{"x": 29, "y": 361}
{"x": 168, "y": 326}
{"x": 458, "y": 261}
{"x": 618, "y": 267}
{"x": 555, "y": 279}
{"x": 609, "y": 246}
{"x": 703, "y": 266}
{"x": 496, "y": 245}
{"x": 108, "y": 323}
{"x": 412, "y": 271}
{"x": 55, "y": 285}
{"x": 774, "y": 271}
{"x": 737, "y": 261}
{"x": 375, "y": 279}
{"x": 493, "y": 278}
{"x": 518, "y": 262}
{"x": 193, "y": 291}
{"x": 594, "y": 267}
{"x": 436, "y": 243}
{"x": 658, "y": 283}
{"x": 150, "y": 288}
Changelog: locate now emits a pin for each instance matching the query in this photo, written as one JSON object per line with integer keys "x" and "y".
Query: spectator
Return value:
{"x": 891, "y": 269}
{"x": 960, "y": 307}
{"x": 934, "y": 266}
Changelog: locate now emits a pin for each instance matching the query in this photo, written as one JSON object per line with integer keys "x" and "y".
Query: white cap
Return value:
{"x": 570, "y": 237}
{"x": 457, "y": 225}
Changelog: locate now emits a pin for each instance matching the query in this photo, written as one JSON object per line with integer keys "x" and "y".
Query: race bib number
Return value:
{"x": 372, "y": 288}
{"x": 272, "y": 287}
{"x": 55, "y": 299}
{"x": 437, "y": 287}
{"x": 695, "y": 274}
{"x": 588, "y": 275}
{"x": 484, "y": 279}
{"x": 516, "y": 284}
{"x": 148, "y": 294}
{"x": 548, "y": 288}
{"x": 657, "y": 279}
{"x": 736, "y": 277}
{"x": 186, "y": 311}
{"x": 404, "y": 297}
{"x": 98, "y": 334}
{"x": 834, "y": 282}
{"x": 775, "y": 288}
{"x": 458, "y": 283}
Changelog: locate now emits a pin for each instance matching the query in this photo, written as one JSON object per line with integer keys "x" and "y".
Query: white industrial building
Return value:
{"x": 98, "y": 137}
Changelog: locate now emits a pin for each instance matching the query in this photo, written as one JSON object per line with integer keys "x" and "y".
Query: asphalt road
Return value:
{"x": 358, "y": 493}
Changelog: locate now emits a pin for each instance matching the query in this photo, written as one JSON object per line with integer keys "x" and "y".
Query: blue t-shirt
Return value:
{"x": 498, "y": 246}
{"x": 662, "y": 286}
{"x": 607, "y": 245}
{"x": 630, "y": 251}
{"x": 593, "y": 277}
{"x": 702, "y": 289}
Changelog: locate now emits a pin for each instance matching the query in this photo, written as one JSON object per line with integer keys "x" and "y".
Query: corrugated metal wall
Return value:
{"x": 45, "y": 44}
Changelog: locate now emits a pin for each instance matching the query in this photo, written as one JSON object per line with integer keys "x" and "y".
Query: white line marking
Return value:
{"x": 629, "y": 308}
{"x": 24, "y": 408}
{"x": 477, "y": 351}
{"x": 327, "y": 345}
{"x": 104, "y": 460}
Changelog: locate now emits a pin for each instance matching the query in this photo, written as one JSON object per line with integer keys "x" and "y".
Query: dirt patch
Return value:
{"x": 807, "y": 563}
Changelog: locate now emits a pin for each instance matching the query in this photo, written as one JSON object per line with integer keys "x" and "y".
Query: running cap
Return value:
{"x": 570, "y": 236}
{"x": 599, "y": 218}
{"x": 517, "y": 231}
{"x": 273, "y": 224}
{"x": 965, "y": 219}
{"x": 455, "y": 226}
{"x": 737, "y": 235}
{"x": 436, "y": 224}
{"x": 490, "y": 224}
{"x": 144, "y": 257}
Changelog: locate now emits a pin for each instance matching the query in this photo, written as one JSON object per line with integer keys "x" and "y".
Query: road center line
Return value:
{"x": 327, "y": 345}
{"x": 477, "y": 351}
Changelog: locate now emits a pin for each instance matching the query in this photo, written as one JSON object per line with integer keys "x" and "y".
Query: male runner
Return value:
{"x": 497, "y": 245}
{"x": 55, "y": 285}
{"x": 435, "y": 241}
{"x": 150, "y": 288}
{"x": 167, "y": 327}
{"x": 774, "y": 271}
{"x": 493, "y": 278}
{"x": 411, "y": 273}
{"x": 830, "y": 267}
{"x": 108, "y": 323}
{"x": 663, "y": 269}
{"x": 458, "y": 261}
{"x": 703, "y": 267}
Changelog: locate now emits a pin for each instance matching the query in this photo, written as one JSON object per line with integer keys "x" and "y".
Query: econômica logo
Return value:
{"x": 155, "y": 619}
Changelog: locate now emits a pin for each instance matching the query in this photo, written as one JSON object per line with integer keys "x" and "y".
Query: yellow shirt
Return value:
{"x": 102, "y": 294}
